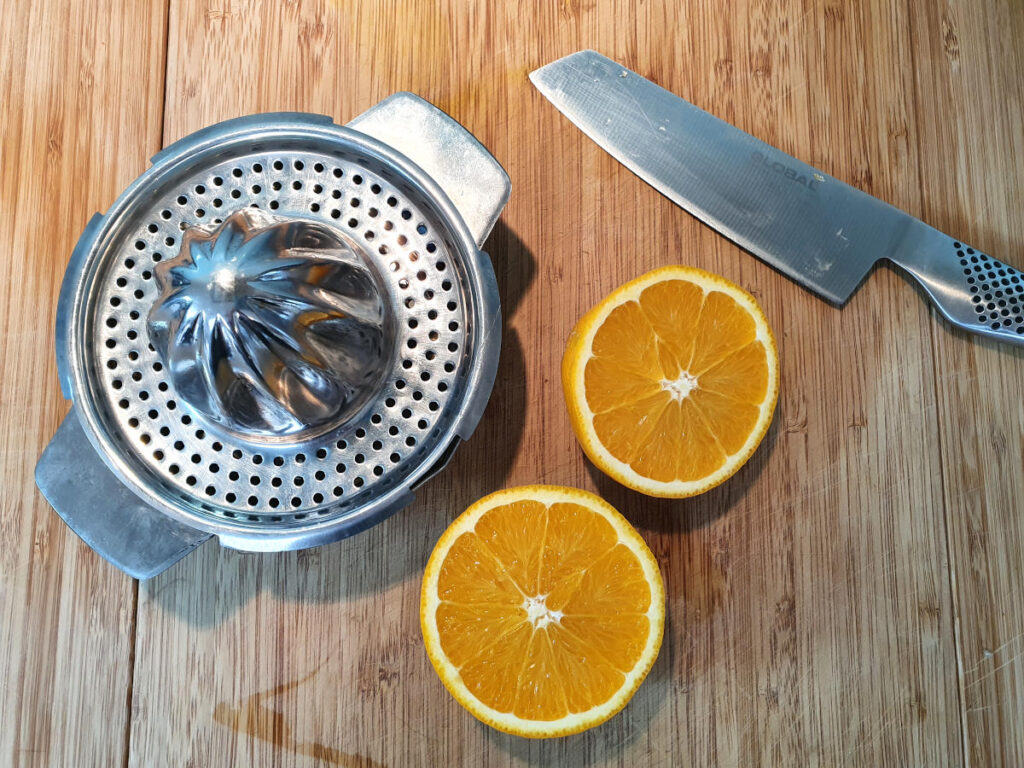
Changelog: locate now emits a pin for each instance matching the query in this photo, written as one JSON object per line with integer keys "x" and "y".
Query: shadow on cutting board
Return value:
{"x": 211, "y": 584}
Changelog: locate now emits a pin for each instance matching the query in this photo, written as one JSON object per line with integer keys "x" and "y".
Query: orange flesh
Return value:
{"x": 570, "y": 558}
{"x": 676, "y": 381}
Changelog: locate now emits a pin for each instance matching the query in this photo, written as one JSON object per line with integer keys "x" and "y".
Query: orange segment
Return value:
{"x": 471, "y": 574}
{"x": 540, "y": 695}
{"x": 567, "y": 625}
{"x": 671, "y": 381}
{"x": 514, "y": 535}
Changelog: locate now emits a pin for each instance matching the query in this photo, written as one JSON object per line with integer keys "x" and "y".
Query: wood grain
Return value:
{"x": 972, "y": 169}
{"x": 80, "y": 101}
{"x": 851, "y": 597}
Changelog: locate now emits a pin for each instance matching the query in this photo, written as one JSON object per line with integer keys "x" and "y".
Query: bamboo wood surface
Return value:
{"x": 852, "y": 597}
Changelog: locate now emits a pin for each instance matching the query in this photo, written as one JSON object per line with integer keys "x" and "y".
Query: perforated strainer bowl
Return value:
{"x": 275, "y": 334}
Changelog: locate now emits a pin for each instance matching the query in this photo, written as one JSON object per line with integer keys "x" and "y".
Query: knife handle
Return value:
{"x": 970, "y": 288}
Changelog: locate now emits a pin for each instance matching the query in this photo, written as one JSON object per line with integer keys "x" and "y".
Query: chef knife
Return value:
{"x": 824, "y": 234}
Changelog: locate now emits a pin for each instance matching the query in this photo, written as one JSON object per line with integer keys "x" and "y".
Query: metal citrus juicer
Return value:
{"x": 275, "y": 334}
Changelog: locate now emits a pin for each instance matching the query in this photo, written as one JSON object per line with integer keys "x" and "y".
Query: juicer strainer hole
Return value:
{"x": 337, "y": 491}
{"x": 393, "y": 431}
{"x": 318, "y": 167}
{"x": 275, "y": 503}
{"x": 433, "y": 405}
{"x": 417, "y": 395}
{"x": 276, "y": 482}
{"x": 186, "y": 419}
{"x": 117, "y": 383}
{"x": 318, "y": 498}
{"x": 253, "y": 501}
{"x": 368, "y": 234}
{"x": 320, "y": 474}
{"x": 232, "y": 476}
{"x": 357, "y": 179}
{"x": 152, "y": 414}
{"x": 433, "y": 336}
{"x": 300, "y": 458}
{"x": 442, "y": 386}
{"x": 296, "y": 184}
{"x": 210, "y": 490}
{"x": 235, "y": 194}
{"x": 158, "y": 455}
{"x": 296, "y": 501}
{"x": 378, "y": 470}
{"x": 145, "y": 438}
{"x": 359, "y": 458}
{"x": 338, "y": 173}
{"x": 299, "y": 165}
{"x": 358, "y": 482}
{"x": 174, "y": 469}
{"x": 406, "y": 214}
{"x": 335, "y": 213}
{"x": 410, "y": 441}
{"x": 254, "y": 480}
{"x": 133, "y": 422}
{"x": 372, "y": 213}
{"x": 191, "y": 480}
{"x": 446, "y": 285}
{"x": 315, "y": 207}
{"x": 340, "y": 468}
{"x": 422, "y": 424}
{"x": 274, "y": 205}
{"x": 278, "y": 165}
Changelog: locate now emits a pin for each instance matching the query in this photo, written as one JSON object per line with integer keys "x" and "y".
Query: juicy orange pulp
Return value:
{"x": 676, "y": 381}
{"x": 544, "y": 613}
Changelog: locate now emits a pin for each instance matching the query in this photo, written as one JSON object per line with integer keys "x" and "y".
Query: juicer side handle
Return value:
{"x": 103, "y": 512}
{"x": 473, "y": 180}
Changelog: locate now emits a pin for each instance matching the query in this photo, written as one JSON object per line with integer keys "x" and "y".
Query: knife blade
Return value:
{"x": 821, "y": 232}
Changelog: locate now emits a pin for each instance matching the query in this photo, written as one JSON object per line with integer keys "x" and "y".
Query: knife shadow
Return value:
{"x": 212, "y": 584}
{"x": 671, "y": 515}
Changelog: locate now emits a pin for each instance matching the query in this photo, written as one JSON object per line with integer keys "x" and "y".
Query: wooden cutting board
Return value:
{"x": 852, "y": 597}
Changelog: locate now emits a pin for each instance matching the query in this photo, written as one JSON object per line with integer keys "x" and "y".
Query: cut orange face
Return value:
{"x": 542, "y": 610}
{"x": 671, "y": 381}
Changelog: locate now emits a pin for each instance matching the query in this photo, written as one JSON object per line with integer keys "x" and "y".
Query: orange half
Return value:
{"x": 671, "y": 381}
{"x": 542, "y": 610}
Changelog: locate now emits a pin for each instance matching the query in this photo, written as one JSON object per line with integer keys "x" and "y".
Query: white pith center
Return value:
{"x": 538, "y": 614}
{"x": 681, "y": 386}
